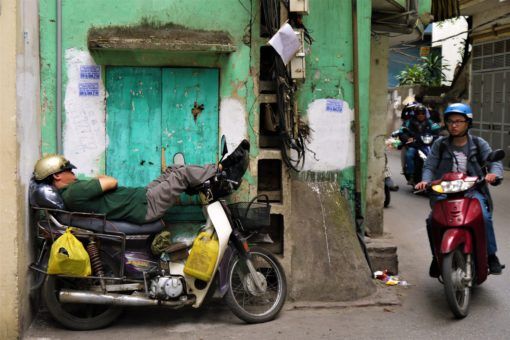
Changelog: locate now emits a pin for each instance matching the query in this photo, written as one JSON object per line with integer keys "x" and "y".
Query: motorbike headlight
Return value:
{"x": 427, "y": 139}
{"x": 449, "y": 187}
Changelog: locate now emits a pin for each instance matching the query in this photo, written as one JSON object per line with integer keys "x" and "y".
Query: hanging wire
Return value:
{"x": 292, "y": 141}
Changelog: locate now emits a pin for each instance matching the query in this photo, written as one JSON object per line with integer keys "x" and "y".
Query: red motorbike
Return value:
{"x": 458, "y": 237}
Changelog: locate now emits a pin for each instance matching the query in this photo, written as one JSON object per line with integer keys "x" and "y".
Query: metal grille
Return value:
{"x": 490, "y": 94}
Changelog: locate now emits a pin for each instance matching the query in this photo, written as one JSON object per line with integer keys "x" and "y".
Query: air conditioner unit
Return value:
{"x": 300, "y": 6}
{"x": 297, "y": 64}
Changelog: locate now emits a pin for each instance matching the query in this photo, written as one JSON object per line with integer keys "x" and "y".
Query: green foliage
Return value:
{"x": 429, "y": 72}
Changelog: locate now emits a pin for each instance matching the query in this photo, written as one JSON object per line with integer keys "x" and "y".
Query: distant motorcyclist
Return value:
{"x": 410, "y": 134}
{"x": 408, "y": 111}
{"x": 462, "y": 152}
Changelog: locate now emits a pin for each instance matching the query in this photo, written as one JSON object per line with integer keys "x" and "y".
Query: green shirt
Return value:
{"x": 125, "y": 204}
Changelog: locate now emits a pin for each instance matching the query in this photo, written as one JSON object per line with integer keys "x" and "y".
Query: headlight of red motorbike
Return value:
{"x": 450, "y": 187}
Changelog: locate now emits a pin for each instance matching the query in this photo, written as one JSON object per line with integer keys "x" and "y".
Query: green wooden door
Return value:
{"x": 133, "y": 124}
{"x": 150, "y": 110}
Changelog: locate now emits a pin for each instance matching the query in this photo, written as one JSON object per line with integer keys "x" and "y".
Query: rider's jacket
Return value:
{"x": 441, "y": 159}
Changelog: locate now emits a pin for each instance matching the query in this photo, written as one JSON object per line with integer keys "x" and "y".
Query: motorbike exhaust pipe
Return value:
{"x": 86, "y": 297}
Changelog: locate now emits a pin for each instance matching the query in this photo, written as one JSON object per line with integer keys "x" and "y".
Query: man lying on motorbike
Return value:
{"x": 140, "y": 205}
{"x": 410, "y": 135}
{"x": 462, "y": 152}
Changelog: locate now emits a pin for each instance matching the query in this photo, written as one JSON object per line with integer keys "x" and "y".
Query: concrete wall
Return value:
{"x": 325, "y": 101}
{"x": 447, "y": 35}
{"x": 20, "y": 139}
{"x": 9, "y": 209}
{"x": 489, "y": 19}
{"x": 377, "y": 134}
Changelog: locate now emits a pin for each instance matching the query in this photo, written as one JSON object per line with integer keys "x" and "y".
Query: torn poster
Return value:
{"x": 286, "y": 43}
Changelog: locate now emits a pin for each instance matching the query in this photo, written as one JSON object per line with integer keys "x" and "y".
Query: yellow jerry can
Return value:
{"x": 203, "y": 255}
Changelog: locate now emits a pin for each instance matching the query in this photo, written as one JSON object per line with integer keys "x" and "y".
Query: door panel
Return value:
{"x": 153, "y": 108}
{"x": 133, "y": 124}
{"x": 190, "y": 114}
{"x": 190, "y": 123}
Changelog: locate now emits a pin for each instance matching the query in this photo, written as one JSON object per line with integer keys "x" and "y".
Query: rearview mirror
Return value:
{"x": 224, "y": 149}
{"x": 496, "y": 155}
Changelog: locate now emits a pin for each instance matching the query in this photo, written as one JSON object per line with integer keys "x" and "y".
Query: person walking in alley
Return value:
{"x": 139, "y": 205}
{"x": 463, "y": 152}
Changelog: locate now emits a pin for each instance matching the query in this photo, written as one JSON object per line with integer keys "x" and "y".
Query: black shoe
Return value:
{"x": 495, "y": 268}
{"x": 236, "y": 163}
{"x": 394, "y": 188}
{"x": 434, "y": 268}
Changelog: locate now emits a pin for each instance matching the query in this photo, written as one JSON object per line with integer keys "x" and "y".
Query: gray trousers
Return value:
{"x": 163, "y": 192}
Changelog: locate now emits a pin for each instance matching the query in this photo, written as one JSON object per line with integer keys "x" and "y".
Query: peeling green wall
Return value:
{"x": 329, "y": 59}
{"x": 79, "y": 17}
{"x": 330, "y": 67}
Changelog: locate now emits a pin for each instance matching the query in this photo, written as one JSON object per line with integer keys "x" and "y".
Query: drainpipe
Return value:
{"x": 358, "y": 142}
{"x": 59, "y": 77}
{"x": 357, "y": 122}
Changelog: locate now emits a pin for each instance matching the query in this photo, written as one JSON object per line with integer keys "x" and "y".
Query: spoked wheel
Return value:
{"x": 456, "y": 286}
{"x": 80, "y": 316}
{"x": 252, "y": 303}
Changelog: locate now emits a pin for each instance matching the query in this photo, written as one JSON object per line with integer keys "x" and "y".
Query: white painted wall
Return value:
{"x": 331, "y": 137}
{"x": 84, "y": 129}
{"x": 233, "y": 118}
{"x": 446, "y": 34}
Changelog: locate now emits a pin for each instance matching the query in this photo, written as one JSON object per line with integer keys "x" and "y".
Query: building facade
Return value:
{"x": 128, "y": 87}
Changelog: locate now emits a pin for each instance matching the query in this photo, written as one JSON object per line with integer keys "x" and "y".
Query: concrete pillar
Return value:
{"x": 19, "y": 149}
{"x": 9, "y": 209}
{"x": 376, "y": 134}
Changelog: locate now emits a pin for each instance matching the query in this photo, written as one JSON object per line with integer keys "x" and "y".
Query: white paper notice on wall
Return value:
{"x": 88, "y": 89}
{"x": 334, "y": 105}
{"x": 90, "y": 72}
{"x": 286, "y": 43}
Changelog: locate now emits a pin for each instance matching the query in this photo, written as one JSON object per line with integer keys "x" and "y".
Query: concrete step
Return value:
{"x": 383, "y": 255}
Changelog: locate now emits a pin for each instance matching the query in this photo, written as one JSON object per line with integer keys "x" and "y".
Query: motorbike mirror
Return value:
{"x": 224, "y": 149}
{"x": 496, "y": 155}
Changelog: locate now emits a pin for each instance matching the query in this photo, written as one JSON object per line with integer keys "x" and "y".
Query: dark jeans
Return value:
{"x": 410, "y": 155}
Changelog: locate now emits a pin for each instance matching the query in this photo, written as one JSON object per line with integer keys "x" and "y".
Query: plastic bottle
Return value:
{"x": 202, "y": 258}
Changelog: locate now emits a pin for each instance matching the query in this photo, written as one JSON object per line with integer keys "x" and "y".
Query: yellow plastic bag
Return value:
{"x": 69, "y": 257}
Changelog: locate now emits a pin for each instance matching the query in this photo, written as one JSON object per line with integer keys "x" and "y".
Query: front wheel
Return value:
{"x": 248, "y": 302}
{"x": 456, "y": 286}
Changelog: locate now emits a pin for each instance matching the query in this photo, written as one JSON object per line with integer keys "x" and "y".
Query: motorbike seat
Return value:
{"x": 47, "y": 197}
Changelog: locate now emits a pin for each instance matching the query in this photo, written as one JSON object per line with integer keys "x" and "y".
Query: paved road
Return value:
{"x": 423, "y": 313}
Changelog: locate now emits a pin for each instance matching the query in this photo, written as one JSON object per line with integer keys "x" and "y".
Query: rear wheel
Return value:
{"x": 456, "y": 286}
{"x": 247, "y": 301}
{"x": 80, "y": 316}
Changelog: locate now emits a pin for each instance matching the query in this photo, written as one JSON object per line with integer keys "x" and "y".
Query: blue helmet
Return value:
{"x": 460, "y": 109}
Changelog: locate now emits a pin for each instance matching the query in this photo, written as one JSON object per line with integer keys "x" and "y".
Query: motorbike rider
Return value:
{"x": 462, "y": 152}
{"x": 407, "y": 111}
{"x": 412, "y": 129}
{"x": 140, "y": 205}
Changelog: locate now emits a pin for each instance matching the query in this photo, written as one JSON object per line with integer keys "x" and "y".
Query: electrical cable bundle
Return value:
{"x": 291, "y": 137}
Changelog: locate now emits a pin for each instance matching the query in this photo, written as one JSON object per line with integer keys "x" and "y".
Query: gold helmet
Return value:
{"x": 51, "y": 164}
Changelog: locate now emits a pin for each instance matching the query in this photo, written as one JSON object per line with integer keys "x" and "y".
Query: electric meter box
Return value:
{"x": 297, "y": 64}
{"x": 300, "y": 6}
